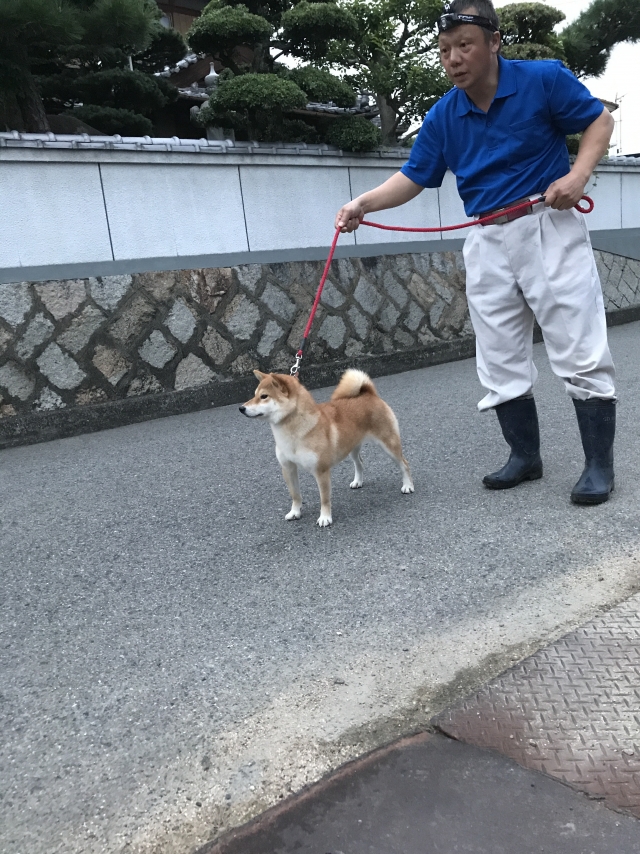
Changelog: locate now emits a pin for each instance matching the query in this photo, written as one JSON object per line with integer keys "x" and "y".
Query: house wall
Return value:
{"x": 140, "y": 287}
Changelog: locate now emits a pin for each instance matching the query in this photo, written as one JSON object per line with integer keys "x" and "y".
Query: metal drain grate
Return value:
{"x": 571, "y": 710}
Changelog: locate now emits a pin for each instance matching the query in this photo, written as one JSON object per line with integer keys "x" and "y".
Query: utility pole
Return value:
{"x": 618, "y": 100}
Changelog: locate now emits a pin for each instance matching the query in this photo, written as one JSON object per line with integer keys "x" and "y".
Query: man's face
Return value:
{"x": 467, "y": 55}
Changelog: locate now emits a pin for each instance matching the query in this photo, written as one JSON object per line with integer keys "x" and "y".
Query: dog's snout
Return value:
{"x": 242, "y": 409}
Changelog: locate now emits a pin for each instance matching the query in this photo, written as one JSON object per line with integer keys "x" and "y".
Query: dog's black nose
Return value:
{"x": 242, "y": 409}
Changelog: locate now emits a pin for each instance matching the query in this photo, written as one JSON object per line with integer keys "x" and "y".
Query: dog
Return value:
{"x": 317, "y": 436}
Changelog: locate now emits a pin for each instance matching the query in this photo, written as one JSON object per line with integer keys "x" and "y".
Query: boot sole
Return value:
{"x": 511, "y": 483}
{"x": 592, "y": 499}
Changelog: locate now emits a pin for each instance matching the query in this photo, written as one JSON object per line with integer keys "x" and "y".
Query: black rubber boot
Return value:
{"x": 519, "y": 422}
{"x": 597, "y": 423}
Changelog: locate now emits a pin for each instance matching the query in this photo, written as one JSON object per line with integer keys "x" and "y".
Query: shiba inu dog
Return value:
{"x": 317, "y": 436}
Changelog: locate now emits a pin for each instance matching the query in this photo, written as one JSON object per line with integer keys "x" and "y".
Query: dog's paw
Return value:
{"x": 407, "y": 488}
{"x": 356, "y": 484}
{"x": 293, "y": 514}
{"x": 324, "y": 521}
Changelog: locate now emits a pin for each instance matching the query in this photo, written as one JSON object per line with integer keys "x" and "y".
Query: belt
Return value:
{"x": 501, "y": 220}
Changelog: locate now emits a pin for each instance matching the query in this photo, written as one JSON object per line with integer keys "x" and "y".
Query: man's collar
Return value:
{"x": 506, "y": 80}
{"x": 506, "y": 86}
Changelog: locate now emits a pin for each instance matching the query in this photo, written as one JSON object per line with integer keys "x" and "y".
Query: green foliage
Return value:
{"x": 584, "y": 45}
{"x": 530, "y": 51}
{"x": 75, "y": 51}
{"x": 168, "y": 90}
{"x": 110, "y": 120}
{"x": 308, "y": 28}
{"x": 123, "y": 24}
{"x": 587, "y": 42}
{"x": 28, "y": 30}
{"x": 353, "y": 133}
{"x": 394, "y": 55}
{"x": 322, "y": 86}
{"x": 573, "y": 142}
{"x": 36, "y": 24}
{"x": 254, "y": 104}
{"x": 122, "y": 89}
{"x": 425, "y": 84}
{"x": 167, "y": 47}
{"x": 221, "y": 29}
{"x": 295, "y": 130}
{"x": 258, "y": 92}
{"x": 528, "y": 22}
{"x": 527, "y": 30}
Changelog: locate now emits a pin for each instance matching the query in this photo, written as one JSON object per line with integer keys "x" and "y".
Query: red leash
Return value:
{"x": 295, "y": 369}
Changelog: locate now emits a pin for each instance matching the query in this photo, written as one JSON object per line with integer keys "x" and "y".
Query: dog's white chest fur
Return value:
{"x": 293, "y": 450}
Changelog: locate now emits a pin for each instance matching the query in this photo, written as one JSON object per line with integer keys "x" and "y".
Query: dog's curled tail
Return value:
{"x": 353, "y": 383}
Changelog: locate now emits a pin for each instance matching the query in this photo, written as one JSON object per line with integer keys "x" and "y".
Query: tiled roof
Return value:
{"x": 190, "y": 59}
{"x": 629, "y": 160}
{"x": 200, "y": 94}
{"x": 14, "y": 139}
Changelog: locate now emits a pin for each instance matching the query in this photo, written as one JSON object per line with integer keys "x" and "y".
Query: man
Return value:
{"x": 501, "y": 130}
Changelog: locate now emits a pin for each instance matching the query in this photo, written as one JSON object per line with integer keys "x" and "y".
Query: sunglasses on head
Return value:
{"x": 451, "y": 20}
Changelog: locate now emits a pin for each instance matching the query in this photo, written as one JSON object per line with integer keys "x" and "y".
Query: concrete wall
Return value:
{"x": 110, "y": 208}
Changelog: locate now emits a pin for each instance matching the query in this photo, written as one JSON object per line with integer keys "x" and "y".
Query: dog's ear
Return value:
{"x": 280, "y": 382}
{"x": 260, "y": 376}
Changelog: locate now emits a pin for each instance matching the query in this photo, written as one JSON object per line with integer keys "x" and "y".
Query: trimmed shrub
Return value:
{"x": 258, "y": 92}
{"x": 322, "y": 86}
{"x": 309, "y": 27}
{"x": 354, "y": 133}
{"x": 220, "y": 30}
{"x": 111, "y": 121}
{"x": 295, "y": 130}
{"x": 121, "y": 89}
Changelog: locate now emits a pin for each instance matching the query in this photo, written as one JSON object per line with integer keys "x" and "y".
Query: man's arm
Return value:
{"x": 564, "y": 193}
{"x": 396, "y": 191}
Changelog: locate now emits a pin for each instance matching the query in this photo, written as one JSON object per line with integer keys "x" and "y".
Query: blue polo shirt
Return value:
{"x": 515, "y": 149}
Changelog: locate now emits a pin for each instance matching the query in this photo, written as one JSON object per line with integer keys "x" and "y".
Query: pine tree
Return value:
{"x": 58, "y": 54}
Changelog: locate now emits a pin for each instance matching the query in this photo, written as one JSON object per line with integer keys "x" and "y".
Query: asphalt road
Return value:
{"x": 175, "y": 656}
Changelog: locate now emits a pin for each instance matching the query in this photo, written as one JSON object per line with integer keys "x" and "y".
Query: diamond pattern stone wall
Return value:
{"x": 78, "y": 342}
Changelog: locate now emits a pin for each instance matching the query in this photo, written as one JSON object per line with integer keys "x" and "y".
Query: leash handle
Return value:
{"x": 295, "y": 370}
{"x": 589, "y": 208}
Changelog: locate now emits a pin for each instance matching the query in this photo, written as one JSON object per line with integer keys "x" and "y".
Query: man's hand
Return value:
{"x": 395, "y": 191}
{"x": 350, "y": 216}
{"x": 565, "y": 193}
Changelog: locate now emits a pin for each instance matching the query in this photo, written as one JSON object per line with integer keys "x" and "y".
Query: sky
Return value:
{"x": 620, "y": 82}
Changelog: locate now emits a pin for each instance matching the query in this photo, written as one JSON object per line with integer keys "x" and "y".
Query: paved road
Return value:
{"x": 176, "y": 656}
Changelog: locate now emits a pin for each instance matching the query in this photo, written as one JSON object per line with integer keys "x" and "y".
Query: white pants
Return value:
{"x": 540, "y": 265}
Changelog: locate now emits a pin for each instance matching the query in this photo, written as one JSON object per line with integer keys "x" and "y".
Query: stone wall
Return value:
{"x": 74, "y": 345}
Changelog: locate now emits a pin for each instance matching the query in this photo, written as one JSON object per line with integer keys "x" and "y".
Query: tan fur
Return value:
{"x": 352, "y": 383}
{"x": 318, "y": 436}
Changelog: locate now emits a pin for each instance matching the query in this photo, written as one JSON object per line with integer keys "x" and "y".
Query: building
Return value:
{"x": 181, "y": 15}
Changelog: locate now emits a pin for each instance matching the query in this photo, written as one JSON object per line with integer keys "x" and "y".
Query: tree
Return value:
{"x": 394, "y": 56}
{"x": 258, "y": 96}
{"x": 528, "y": 31}
{"x": 58, "y": 55}
{"x": 30, "y": 30}
{"x": 384, "y": 47}
{"x": 584, "y": 45}
{"x": 588, "y": 41}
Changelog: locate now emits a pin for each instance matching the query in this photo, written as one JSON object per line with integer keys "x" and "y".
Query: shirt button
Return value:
{"x": 488, "y": 124}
